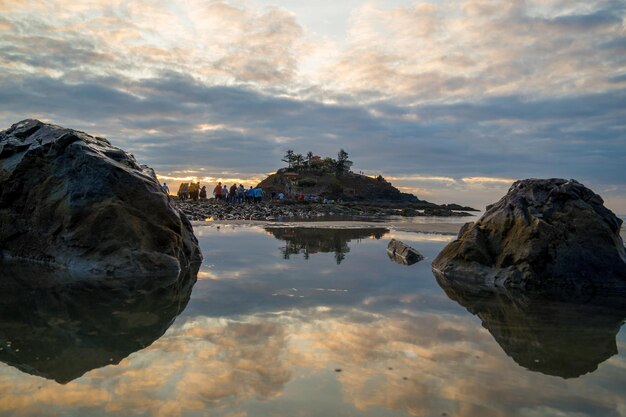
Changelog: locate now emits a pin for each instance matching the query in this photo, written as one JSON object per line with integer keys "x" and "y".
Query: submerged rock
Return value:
{"x": 550, "y": 234}
{"x": 72, "y": 200}
{"x": 403, "y": 254}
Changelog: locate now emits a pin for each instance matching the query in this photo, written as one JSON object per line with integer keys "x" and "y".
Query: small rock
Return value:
{"x": 403, "y": 254}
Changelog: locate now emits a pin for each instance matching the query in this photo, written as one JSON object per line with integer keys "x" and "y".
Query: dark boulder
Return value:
{"x": 403, "y": 254}
{"x": 71, "y": 200}
{"x": 549, "y": 234}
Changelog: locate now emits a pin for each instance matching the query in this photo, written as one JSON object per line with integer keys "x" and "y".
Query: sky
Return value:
{"x": 451, "y": 100}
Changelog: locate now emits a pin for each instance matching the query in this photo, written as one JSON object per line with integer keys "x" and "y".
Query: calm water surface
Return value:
{"x": 310, "y": 322}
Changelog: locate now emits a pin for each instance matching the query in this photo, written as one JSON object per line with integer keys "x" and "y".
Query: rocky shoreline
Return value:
{"x": 289, "y": 210}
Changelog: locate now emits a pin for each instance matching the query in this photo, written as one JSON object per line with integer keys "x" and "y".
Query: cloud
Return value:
{"x": 160, "y": 120}
{"x": 212, "y": 40}
{"x": 482, "y": 180}
{"x": 476, "y": 48}
{"x": 422, "y": 178}
{"x": 446, "y": 89}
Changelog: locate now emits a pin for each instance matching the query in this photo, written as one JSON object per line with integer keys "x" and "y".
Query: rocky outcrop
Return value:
{"x": 550, "y": 234}
{"x": 72, "y": 200}
{"x": 347, "y": 187}
{"x": 403, "y": 254}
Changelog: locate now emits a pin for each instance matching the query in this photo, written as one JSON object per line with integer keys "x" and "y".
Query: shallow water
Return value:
{"x": 313, "y": 322}
{"x": 475, "y": 215}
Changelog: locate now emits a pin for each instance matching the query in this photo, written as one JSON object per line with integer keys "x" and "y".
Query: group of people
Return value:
{"x": 237, "y": 194}
{"x": 187, "y": 191}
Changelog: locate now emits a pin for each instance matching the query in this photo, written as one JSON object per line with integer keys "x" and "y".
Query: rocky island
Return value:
{"x": 317, "y": 187}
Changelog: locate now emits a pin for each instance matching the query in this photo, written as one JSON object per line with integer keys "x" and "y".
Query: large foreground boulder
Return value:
{"x": 550, "y": 233}
{"x": 71, "y": 200}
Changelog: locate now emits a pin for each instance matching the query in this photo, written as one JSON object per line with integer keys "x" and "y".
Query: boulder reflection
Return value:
{"x": 308, "y": 240}
{"x": 545, "y": 332}
{"x": 59, "y": 327}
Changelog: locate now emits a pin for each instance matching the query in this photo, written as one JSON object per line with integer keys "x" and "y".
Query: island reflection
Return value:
{"x": 59, "y": 327}
{"x": 559, "y": 335}
{"x": 308, "y": 240}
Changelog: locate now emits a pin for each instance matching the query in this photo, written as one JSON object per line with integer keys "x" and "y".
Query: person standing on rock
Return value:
{"x": 288, "y": 188}
{"x": 241, "y": 192}
{"x": 225, "y": 193}
{"x": 203, "y": 193}
{"x": 217, "y": 192}
{"x": 233, "y": 193}
{"x": 165, "y": 188}
{"x": 194, "y": 189}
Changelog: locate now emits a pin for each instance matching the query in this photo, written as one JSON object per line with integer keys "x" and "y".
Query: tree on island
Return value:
{"x": 289, "y": 157}
{"x": 338, "y": 166}
{"x": 343, "y": 164}
{"x": 329, "y": 164}
{"x": 298, "y": 160}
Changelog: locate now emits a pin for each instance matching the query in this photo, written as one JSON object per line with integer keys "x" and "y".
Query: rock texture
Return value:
{"x": 403, "y": 254}
{"x": 545, "y": 233}
{"x": 72, "y": 200}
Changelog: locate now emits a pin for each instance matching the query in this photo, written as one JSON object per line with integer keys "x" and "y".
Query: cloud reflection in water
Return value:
{"x": 403, "y": 347}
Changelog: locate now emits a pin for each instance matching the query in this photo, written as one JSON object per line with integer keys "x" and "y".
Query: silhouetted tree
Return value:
{"x": 298, "y": 160}
{"x": 329, "y": 164}
{"x": 343, "y": 163}
{"x": 309, "y": 158}
{"x": 288, "y": 157}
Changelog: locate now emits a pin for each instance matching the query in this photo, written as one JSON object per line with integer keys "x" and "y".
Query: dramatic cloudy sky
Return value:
{"x": 448, "y": 99}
